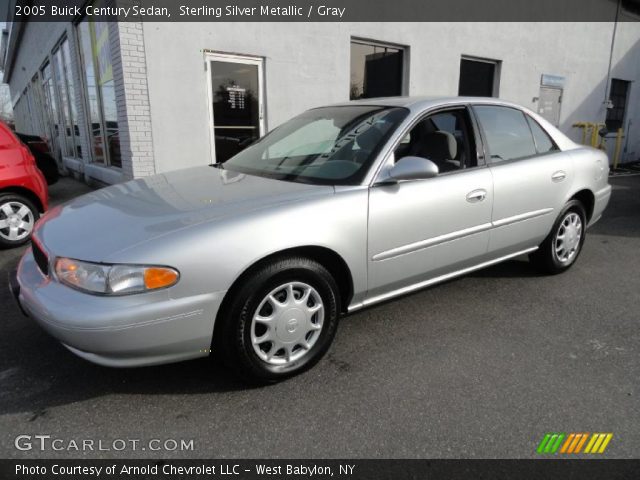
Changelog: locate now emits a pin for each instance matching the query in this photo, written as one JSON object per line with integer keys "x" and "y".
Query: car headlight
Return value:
{"x": 113, "y": 279}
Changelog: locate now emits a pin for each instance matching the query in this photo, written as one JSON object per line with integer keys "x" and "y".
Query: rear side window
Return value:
{"x": 544, "y": 144}
{"x": 507, "y": 132}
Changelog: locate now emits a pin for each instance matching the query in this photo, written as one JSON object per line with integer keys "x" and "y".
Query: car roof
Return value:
{"x": 422, "y": 102}
{"x": 418, "y": 104}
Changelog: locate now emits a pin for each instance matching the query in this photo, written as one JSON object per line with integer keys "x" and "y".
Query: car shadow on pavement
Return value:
{"x": 517, "y": 268}
{"x": 38, "y": 373}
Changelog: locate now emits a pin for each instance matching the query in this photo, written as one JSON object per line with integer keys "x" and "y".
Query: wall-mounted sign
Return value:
{"x": 552, "y": 81}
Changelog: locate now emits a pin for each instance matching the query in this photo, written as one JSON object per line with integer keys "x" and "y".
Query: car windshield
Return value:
{"x": 330, "y": 145}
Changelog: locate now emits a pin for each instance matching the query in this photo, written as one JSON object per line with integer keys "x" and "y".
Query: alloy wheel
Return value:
{"x": 16, "y": 221}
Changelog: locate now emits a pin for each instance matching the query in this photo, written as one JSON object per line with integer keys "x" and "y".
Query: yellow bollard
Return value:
{"x": 616, "y": 154}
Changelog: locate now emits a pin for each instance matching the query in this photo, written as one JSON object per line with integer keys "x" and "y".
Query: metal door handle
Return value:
{"x": 476, "y": 195}
{"x": 558, "y": 176}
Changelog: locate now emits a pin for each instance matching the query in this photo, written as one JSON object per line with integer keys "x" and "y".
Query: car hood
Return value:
{"x": 94, "y": 226}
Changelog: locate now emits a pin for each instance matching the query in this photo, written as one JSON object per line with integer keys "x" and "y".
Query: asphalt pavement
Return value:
{"x": 482, "y": 367}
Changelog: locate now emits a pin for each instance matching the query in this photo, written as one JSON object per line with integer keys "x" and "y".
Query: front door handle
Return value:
{"x": 476, "y": 195}
{"x": 558, "y": 176}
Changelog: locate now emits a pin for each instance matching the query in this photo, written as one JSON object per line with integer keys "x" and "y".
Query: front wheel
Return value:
{"x": 281, "y": 321}
{"x": 18, "y": 216}
{"x": 561, "y": 248}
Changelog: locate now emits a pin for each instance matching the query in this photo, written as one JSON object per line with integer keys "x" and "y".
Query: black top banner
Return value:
{"x": 321, "y": 10}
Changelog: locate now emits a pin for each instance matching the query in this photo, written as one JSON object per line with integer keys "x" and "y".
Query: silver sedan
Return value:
{"x": 340, "y": 208}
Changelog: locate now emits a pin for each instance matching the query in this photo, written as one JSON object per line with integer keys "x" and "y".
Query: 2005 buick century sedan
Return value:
{"x": 339, "y": 208}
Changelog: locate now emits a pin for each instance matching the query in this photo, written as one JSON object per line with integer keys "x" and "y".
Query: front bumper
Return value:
{"x": 122, "y": 331}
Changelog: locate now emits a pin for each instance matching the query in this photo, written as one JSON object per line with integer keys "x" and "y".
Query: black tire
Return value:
{"x": 232, "y": 336}
{"x": 14, "y": 201}
{"x": 546, "y": 259}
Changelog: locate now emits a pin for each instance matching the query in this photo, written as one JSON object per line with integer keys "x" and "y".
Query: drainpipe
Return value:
{"x": 613, "y": 42}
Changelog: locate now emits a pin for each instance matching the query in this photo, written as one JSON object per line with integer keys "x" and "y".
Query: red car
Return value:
{"x": 23, "y": 190}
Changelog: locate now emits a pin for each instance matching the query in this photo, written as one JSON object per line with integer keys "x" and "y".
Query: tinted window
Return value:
{"x": 508, "y": 135}
{"x": 543, "y": 141}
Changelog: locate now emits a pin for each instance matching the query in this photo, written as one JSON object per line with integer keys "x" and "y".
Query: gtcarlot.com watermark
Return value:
{"x": 50, "y": 443}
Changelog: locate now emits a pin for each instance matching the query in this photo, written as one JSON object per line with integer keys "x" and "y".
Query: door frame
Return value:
{"x": 212, "y": 55}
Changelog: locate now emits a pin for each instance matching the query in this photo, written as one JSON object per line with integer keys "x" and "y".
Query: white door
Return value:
{"x": 236, "y": 112}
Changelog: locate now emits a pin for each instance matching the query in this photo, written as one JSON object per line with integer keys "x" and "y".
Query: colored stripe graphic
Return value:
{"x": 573, "y": 443}
{"x": 550, "y": 442}
{"x": 598, "y": 442}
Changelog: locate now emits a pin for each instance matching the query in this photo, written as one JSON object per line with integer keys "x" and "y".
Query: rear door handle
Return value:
{"x": 558, "y": 176}
{"x": 476, "y": 195}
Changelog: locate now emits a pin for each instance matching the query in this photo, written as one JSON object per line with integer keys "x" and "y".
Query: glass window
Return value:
{"x": 51, "y": 107}
{"x": 445, "y": 138}
{"x": 65, "y": 131}
{"x": 618, "y": 96}
{"x": 376, "y": 71}
{"x": 477, "y": 78}
{"x": 507, "y": 133}
{"x": 330, "y": 145}
{"x": 96, "y": 58}
{"x": 73, "y": 132}
{"x": 543, "y": 141}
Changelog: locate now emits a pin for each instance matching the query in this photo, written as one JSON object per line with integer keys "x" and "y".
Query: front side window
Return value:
{"x": 96, "y": 58}
{"x": 507, "y": 133}
{"x": 330, "y": 145}
{"x": 376, "y": 70}
{"x": 445, "y": 138}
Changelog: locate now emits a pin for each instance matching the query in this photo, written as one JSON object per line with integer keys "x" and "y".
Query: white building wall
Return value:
{"x": 308, "y": 64}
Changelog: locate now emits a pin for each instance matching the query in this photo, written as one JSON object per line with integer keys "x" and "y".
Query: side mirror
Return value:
{"x": 413, "y": 168}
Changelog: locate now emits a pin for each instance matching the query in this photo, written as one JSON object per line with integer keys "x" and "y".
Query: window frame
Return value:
{"x": 404, "y": 80}
{"x": 489, "y": 160}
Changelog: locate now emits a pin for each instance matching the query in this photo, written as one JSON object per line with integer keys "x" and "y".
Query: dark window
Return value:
{"x": 631, "y": 6}
{"x": 477, "y": 78}
{"x": 507, "y": 133}
{"x": 445, "y": 138}
{"x": 544, "y": 143}
{"x": 618, "y": 96}
{"x": 376, "y": 71}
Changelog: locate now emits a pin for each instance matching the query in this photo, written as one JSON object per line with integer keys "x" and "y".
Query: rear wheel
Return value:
{"x": 561, "y": 248}
{"x": 18, "y": 216}
{"x": 281, "y": 321}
